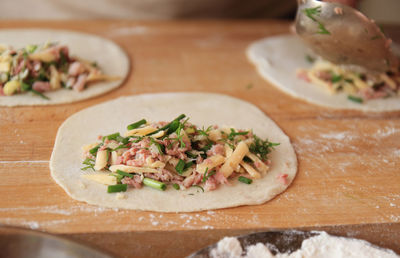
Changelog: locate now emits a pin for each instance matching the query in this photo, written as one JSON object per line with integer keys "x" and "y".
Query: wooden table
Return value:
{"x": 348, "y": 180}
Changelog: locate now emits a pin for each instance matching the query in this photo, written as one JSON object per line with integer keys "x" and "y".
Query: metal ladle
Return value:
{"x": 344, "y": 36}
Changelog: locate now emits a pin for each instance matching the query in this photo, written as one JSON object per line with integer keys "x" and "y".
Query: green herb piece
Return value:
{"x": 336, "y": 78}
{"x": 160, "y": 147}
{"x": 349, "y": 80}
{"x": 89, "y": 164}
{"x": 136, "y": 124}
{"x": 188, "y": 165}
{"x": 179, "y": 135}
{"x": 180, "y": 166}
{"x": 207, "y": 147}
{"x": 154, "y": 184}
{"x": 204, "y": 131}
{"x": 208, "y": 174}
{"x": 261, "y": 147}
{"x": 198, "y": 186}
{"x": 119, "y": 177}
{"x": 173, "y": 126}
{"x": 124, "y": 140}
{"x": 165, "y": 127}
{"x": 94, "y": 150}
{"x": 31, "y": 48}
{"x": 191, "y": 155}
{"x": 322, "y": 29}
{"x": 310, "y": 59}
{"x": 249, "y": 86}
{"x": 117, "y": 188}
{"x": 233, "y": 133}
{"x": 176, "y": 186}
{"x": 311, "y": 13}
{"x": 111, "y": 136}
{"x": 25, "y": 86}
{"x": 122, "y": 173}
{"x": 247, "y": 159}
{"x": 39, "y": 94}
{"x": 138, "y": 138}
{"x": 245, "y": 180}
{"x": 355, "y": 99}
{"x": 123, "y": 146}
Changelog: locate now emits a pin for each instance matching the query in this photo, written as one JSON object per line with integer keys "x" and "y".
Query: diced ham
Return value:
{"x": 135, "y": 162}
{"x": 80, "y": 82}
{"x": 283, "y": 178}
{"x": 216, "y": 149}
{"x": 188, "y": 182}
{"x": 211, "y": 184}
{"x": 19, "y": 67}
{"x": 302, "y": 74}
{"x": 41, "y": 86}
{"x": 220, "y": 178}
{"x": 324, "y": 75}
{"x": 136, "y": 181}
{"x": 76, "y": 68}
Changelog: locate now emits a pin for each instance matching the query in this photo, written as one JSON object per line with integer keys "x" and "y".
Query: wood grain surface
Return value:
{"x": 349, "y": 161}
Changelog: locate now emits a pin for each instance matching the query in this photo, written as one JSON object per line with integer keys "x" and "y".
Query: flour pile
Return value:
{"x": 321, "y": 246}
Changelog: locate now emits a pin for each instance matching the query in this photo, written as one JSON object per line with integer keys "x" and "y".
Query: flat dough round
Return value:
{"x": 111, "y": 59}
{"x": 203, "y": 109}
{"x": 278, "y": 58}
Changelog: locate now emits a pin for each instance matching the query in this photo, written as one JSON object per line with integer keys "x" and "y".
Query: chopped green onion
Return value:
{"x": 208, "y": 174}
{"x": 245, "y": 180}
{"x": 198, "y": 186}
{"x": 204, "y": 131}
{"x": 110, "y": 137}
{"x": 89, "y": 164}
{"x": 25, "y": 86}
{"x": 176, "y": 186}
{"x": 122, "y": 173}
{"x": 180, "y": 166}
{"x": 31, "y": 48}
{"x": 188, "y": 165}
{"x": 136, "y": 124}
{"x": 117, "y": 188}
{"x": 123, "y": 146}
{"x": 160, "y": 147}
{"x": 165, "y": 127}
{"x": 191, "y": 155}
{"x": 336, "y": 78}
{"x": 247, "y": 159}
{"x": 355, "y": 99}
{"x": 94, "y": 150}
{"x": 119, "y": 177}
{"x": 173, "y": 126}
{"x": 124, "y": 140}
{"x": 310, "y": 59}
{"x": 154, "y": 184}
{"x": 39, "y": 94}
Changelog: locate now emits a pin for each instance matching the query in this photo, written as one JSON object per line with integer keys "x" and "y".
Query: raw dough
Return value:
{"x": 203, "y": 109}
{"x": 111, "y": 59}
{"x": 277, "y": 59}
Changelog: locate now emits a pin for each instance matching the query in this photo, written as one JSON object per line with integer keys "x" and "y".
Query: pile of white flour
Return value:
{"x": 321, "y": 246}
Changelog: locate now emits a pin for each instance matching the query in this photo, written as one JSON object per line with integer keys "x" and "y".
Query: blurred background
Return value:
{"x": 383, "y": 11}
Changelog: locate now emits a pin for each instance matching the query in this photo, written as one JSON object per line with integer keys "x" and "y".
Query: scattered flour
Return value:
{"x": 321, "y": 246}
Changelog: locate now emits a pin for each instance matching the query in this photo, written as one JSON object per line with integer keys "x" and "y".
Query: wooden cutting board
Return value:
{"x": 349, "y": 161}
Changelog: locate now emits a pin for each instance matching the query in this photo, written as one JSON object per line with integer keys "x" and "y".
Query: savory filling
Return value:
{"x": 177, "y": 154}
{"x": 43, "y": 68}
{"x": 359, "y": 87}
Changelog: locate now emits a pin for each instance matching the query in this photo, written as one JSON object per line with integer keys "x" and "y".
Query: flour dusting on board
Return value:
{"x": 320, "y": 246}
